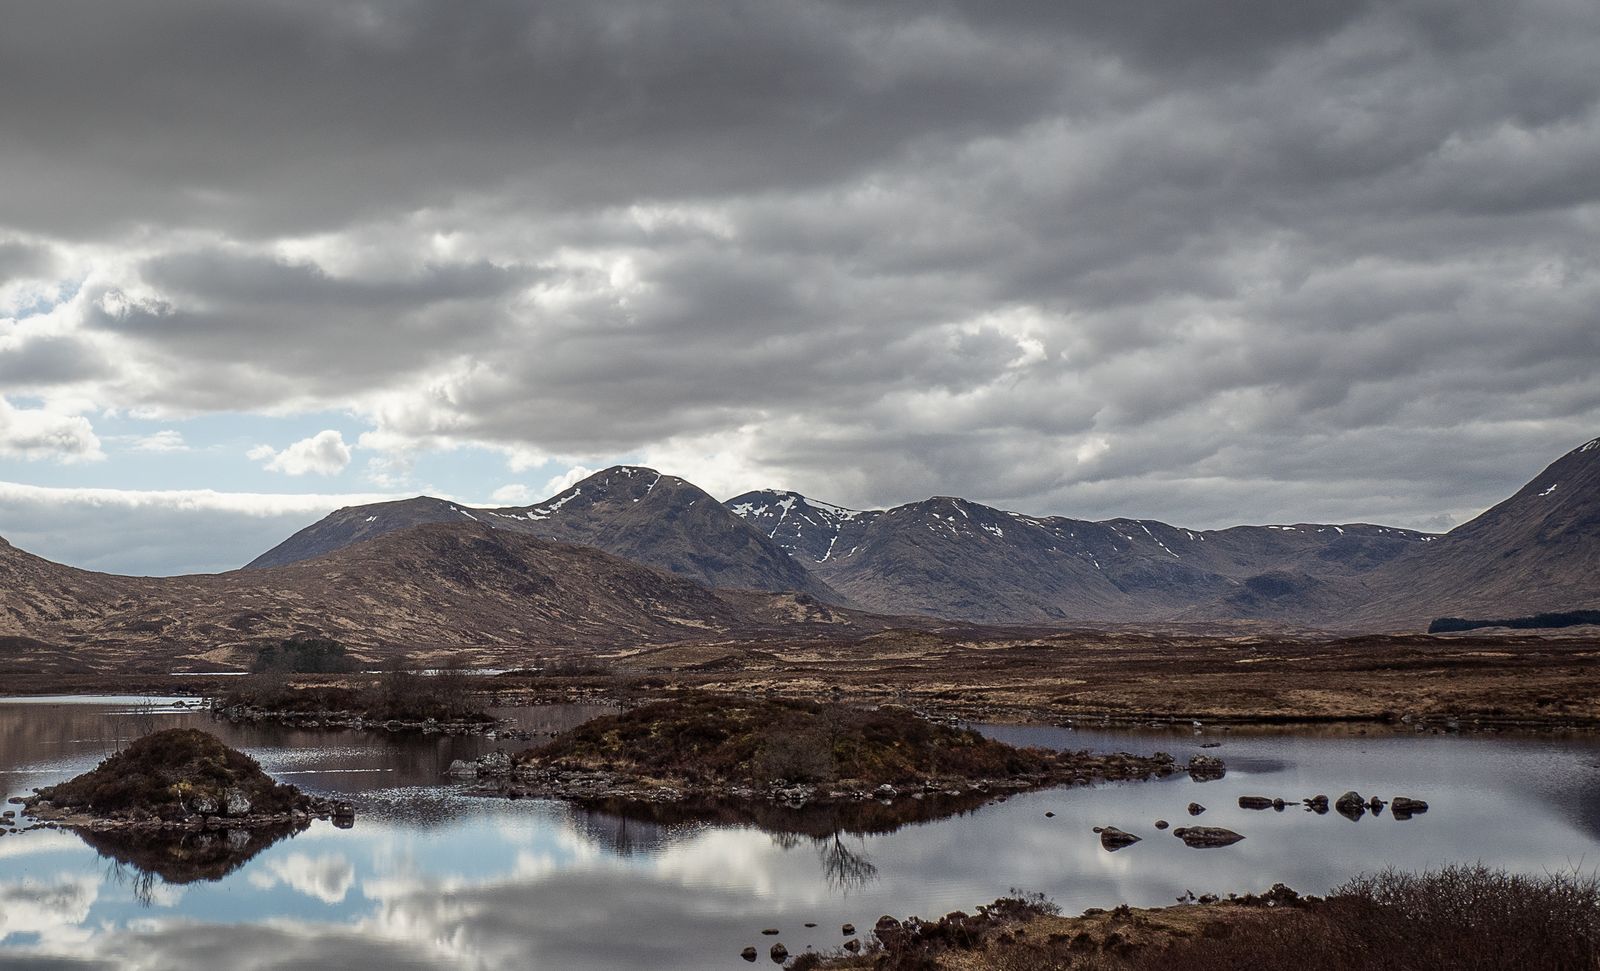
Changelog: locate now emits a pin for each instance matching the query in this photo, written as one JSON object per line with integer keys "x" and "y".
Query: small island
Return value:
{"x": 707, "y": 747}
{"x": 179, "y": 779}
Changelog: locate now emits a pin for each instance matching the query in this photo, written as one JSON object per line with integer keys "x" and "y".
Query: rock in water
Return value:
{"x": 1404, "y": 808}
{"x": 1255, "y": 802}
{"x": 779, "y": 953}
{"x": 1196, "y": 809}
{"x": 1351, "y": 805}
{"x": 750, "y": 954}
{"x": 1206, "y": 837}
{"x": 1114, "y": 839}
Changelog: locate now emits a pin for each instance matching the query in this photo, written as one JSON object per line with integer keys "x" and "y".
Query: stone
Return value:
{"x": 1318, "y": 804}
{"x": 462, "y": 769}
{"x": 852, "y": 945}
{"x": 1206, "y": 768}
{"x": 885, "y": 791}
{"x": 1114, "y": 839}
{"x": 1404, "y": 808}
{"x": 750, "y": 954}
{"x": 1255, "y": 802}
{"x": 1196, "y": 809}
{"x": 1206, "y": 837}
{"x": 848, "y": 930}
{"x": 1162, "y": 824}
{"x": 235, "y": 803}
{"x": 771, "y": 932}
{"x": 1351, "y": 805}
{"x": 779, "y": 953}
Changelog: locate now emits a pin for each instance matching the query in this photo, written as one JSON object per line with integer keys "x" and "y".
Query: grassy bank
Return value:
{"x": 1463, "y": 918}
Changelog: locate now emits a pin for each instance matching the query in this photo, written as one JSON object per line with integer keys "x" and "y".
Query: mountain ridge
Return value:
{"x": 954, "y": 559}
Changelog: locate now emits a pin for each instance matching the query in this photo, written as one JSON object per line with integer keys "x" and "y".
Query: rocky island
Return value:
{"x": 727, "y": 749}
{"x": 179, "y": 779}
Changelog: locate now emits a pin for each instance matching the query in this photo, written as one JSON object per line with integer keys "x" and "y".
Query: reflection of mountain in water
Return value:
{"x": 182, "y": 857}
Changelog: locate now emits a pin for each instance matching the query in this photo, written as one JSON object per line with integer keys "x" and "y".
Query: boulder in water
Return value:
{"x": 1206, "y": 837}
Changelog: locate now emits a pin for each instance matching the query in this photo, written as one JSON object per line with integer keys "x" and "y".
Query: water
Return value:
{"x": 431, "y": 878}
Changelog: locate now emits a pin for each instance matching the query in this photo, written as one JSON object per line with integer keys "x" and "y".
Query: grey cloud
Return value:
{"x": 20, "y": 260}
{"x": 44, "y": 361}
{"x": 309, "y": 115}
{"x": 1287, "y": 262}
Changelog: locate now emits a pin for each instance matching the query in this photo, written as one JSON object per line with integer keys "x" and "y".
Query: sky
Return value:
{"x": 1233, "y": 262}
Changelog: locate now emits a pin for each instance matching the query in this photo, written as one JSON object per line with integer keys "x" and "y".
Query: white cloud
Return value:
{"x": 36, "y": 433}
{"x": 567, "y": 480}
{"x": 165, "y": 440}
{"x": 324, "y": 453}
{"x": 513, "y": 494}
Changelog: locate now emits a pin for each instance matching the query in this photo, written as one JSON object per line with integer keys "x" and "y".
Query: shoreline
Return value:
{"x": 183, "y": 686}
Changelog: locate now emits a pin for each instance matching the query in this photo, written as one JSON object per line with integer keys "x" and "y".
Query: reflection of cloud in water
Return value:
{"x": 38, "y": 843}
{"x": 327, "y": 878}
{"x": 53, "y": 910}
{"x": 540, "y": 886}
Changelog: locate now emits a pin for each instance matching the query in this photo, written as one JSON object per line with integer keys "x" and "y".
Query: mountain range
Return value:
{"x": 632, "y": 555}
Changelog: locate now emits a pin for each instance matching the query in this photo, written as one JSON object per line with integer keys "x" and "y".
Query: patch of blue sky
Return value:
{"x": 212, "y": 452}
{"x": 42, "y": 300}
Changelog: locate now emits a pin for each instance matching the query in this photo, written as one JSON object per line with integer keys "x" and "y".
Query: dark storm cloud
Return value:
{"x": 1207, "y": 262}
{"x": 293, "y": 116}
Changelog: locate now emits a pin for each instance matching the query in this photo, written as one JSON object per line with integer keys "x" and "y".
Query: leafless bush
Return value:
{"x": 802, "y": 756}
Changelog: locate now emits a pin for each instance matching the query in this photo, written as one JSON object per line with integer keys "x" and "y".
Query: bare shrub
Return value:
{"x": 802, "y": 756}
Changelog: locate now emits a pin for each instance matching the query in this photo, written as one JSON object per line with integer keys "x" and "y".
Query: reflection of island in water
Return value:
{"x": 179, "y": 857}
{"x": 626, "y": 826}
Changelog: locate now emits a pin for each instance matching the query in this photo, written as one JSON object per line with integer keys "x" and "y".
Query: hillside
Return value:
{"x": 430, "y": 587}
{"x": 953, "y": 558}
{"x": 1537, "y": 551}
{"x": 656, "y": 520}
